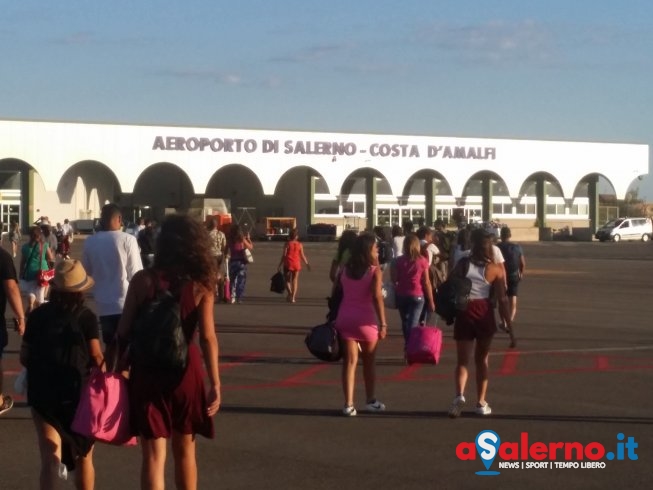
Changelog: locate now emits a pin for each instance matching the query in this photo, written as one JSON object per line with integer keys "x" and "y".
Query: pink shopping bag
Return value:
{"x": 227, "y": 290}
{"x": 424, "y": 345}
{"x": 103, "y": 410}
{"x": 227, "y": 283}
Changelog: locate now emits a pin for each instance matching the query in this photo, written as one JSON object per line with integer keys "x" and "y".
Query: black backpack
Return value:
{"x": 56, "y": 354}
{"x": 453, "y": 294}
{"x": 385, "y": 251}
{"x": 445, "y": 241}
{"x": 146, "y": 240}
{"x": 157, "y": 336}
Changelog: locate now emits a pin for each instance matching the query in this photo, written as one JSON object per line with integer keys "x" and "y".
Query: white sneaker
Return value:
{"x": 62, "y": 471}
{"x": 483, "y": 409}
{"x": 349, "y": 411}
{"x": 375, "y": 406}
{"x": 456, "y": 406}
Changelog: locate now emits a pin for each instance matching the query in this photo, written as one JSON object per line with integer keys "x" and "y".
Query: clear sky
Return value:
{"x": 555, "y": 70}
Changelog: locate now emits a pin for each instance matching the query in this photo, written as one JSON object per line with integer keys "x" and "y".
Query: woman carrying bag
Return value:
{"x": 360, "y": 321}
{"x": 240, "y": 247}
{"x": 35, "y": 256}
{"x": 165, "y": 404}
{"x": 410, "y": 276}
{"x": 60, "y": 345}
{"x": 291, "y": 264}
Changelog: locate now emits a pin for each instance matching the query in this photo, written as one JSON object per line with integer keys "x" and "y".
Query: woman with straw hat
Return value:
{"x": 60, "y": 344}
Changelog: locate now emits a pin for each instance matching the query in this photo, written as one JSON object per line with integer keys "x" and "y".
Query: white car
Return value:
{"x": 626, "y": 229}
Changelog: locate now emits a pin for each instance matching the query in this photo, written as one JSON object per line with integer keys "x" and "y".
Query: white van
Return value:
{"x": 626, "y": 229}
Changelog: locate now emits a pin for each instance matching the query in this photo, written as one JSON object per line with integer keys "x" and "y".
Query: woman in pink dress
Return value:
{"x": 291, "y": 262}
{"x": 361, "y": 320}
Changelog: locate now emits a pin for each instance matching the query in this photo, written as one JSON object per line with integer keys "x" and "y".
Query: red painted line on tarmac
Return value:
{"x": 299, "y": 377}
{"x": 277, "y": 384}
{"x": 245, "y": 358}
{"x": 601, "y": 363}
{"x": 509, "y": 364}
{"x": 585, "y": 370}
{"x": 250, "y": 387}
{"x": 406, "y": 373}
{"x": 578, "y": 370}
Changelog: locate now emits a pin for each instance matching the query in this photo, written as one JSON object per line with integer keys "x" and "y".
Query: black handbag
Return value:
{"x": 278, "y": 283}
{"x": 323, "y": 342}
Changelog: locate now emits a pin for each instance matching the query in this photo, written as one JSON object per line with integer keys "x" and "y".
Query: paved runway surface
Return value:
{"x": 582, "y": 372}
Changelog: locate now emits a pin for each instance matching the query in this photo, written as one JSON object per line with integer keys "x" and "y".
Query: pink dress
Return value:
{"x": 356, "y": 318}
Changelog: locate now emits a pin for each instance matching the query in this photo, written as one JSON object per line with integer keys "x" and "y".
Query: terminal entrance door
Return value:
{"x": 10, "y": 197}
{"x": 9, "y": 212}
{"x": 398, "y": 215}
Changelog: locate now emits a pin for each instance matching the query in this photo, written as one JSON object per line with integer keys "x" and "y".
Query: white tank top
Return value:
{"x": 480, "y": 287}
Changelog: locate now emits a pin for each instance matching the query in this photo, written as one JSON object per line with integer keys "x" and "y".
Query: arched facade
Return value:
{"x": 318, "y": 177}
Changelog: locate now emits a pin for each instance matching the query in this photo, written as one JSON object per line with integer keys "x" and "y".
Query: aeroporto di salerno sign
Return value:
{"x": 308, "y": 147}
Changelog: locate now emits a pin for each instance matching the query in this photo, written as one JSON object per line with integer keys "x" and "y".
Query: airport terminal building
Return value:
{"x": 69, "y": 170}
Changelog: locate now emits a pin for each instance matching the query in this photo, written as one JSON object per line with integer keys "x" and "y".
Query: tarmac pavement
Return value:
{"x": 582, "y": 372}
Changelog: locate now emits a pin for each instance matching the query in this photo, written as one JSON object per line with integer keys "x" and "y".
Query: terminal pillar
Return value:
{"x": 486, "y": 199}
{"x": 514, "y": 202}
{"x": 430, "y": 191}
{"x": 27, "y": 209}
{"x": 370, "y": 201}
{"x": 569, "y": 202}
{"x": 540, "y": 204}
{"x": 310, "y": 204}
{"x": 593, "y": 197}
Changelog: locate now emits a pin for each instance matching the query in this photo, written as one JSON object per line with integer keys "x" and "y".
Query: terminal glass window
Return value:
{"x": 9, "y": 213}
{"x": 525, "y": 208}
{"x": 405, "y": 215}
{"x": 501, "y": 208}
{"x": 582, "y": 209}
{"x": 326, "y": 206}
{"x": 555, "y": 209}
{"x": 418, "y": 214}
{"x": 383, "y": 217}
{"x": 443, "y": 214}
{"x": 394, "y": 219}
{"x": 353, "y": 207}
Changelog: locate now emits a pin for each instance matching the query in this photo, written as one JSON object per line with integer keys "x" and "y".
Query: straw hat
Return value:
{"x": 70, "y": 277}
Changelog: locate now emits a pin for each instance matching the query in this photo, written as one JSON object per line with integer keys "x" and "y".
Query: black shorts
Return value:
{"x": 476, "y": 322}
{"x": 512, "y": 285}
{"x": 4, "y": 336}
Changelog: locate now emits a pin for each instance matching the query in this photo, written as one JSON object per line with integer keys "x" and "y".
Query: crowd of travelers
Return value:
{"x": 192, "y": 265}
{"x": 419, "y": 262}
